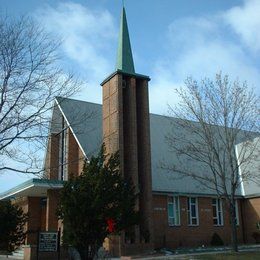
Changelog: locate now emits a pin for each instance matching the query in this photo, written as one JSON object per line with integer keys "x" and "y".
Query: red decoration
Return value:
{"x": 111, "y": 225}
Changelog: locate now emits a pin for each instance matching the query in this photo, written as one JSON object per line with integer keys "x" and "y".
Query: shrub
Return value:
{"x": 216, "y": 240}
{"x": 256, "y": 236}
{"x": 12, "y": 221}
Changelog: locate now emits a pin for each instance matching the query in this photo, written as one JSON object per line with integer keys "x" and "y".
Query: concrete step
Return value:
{"x": 18, "y": 253}
{"x": 15, "y": 257}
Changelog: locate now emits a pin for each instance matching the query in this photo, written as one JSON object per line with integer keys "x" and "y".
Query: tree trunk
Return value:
{"x": 233, "y": 225}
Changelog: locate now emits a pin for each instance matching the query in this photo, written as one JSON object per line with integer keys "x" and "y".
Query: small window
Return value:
{"x": 173, "y": 211}
{"x": 193, "y": 216}
{"x": 217, "y": 212}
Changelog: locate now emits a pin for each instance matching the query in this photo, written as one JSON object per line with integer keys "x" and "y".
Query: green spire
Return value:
{"x": 124, "y": 61}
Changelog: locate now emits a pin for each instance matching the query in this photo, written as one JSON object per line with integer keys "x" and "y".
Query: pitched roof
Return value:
{"x": 85, "y": 121}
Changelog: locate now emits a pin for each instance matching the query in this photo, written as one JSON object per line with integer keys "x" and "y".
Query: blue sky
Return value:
{"x": 171, "y": 40}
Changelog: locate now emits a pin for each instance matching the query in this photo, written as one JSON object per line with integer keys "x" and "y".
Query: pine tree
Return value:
{"x": 12, "y": 221}
{"x": 96, "y": 203}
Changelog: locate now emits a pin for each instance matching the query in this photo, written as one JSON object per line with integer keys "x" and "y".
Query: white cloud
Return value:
{"x": 87, "y": 36}
{"x": 245, "y": 21}
{"x": 195, "y": 46}
{"x": 201, "y": 47}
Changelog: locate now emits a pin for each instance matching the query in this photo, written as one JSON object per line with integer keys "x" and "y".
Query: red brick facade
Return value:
{"x": 42, "y": 213}
{"x": 184, "y": 235}
{"x": 251, "y": 216}
{"x": 126, "y": 127}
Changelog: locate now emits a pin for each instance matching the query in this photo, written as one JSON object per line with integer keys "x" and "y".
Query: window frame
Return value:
{"x": 171, "y": 200}
{"x": 219, "y": 210}
{"x": 189, "y": 211}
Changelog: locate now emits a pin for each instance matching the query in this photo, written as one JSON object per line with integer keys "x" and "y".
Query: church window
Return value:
{"x": 63, "y": 152}
{"x": 217, "y": 212}
{"x": 193, "y": 216}
{"x": 173, "y": 211}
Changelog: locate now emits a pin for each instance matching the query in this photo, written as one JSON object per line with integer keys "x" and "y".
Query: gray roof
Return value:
{"x": 162, "y": 157}
{"x": 85, "y": 120}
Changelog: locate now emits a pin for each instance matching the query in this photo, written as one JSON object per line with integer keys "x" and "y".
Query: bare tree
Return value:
{"x": 218, "y": 129}
{"x": 30, "y": 78}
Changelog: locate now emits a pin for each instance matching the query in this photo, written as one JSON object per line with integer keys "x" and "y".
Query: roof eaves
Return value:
{"x": 187, "y": 194}
{"x": 251, "y": 196}
{"x": 31, "y": 183}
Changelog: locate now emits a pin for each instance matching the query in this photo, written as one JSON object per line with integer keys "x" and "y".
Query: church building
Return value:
{"x": 175, "y": 212}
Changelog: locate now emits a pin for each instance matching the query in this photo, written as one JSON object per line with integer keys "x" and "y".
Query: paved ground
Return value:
{"x": 181, "y": 256}
{"x": 7, "y": 257}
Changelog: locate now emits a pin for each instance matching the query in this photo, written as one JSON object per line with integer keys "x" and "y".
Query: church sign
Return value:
{"x": 48, "y": 241}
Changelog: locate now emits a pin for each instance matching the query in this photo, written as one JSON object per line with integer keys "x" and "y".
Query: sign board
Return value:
{"x": 48, "y": 241}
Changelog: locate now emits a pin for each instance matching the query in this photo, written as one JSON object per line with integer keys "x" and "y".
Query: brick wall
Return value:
{"x": 34, "y": 221}
{"x": 23, "y": 203}
{"x": 52, "y": 157}
{"x": 53, "y": 197}
{"x": 251, "y": 215}
{"x": 144, "y": 156}
{"x": 73, "y": 155}
{"x": 185, "y": 235}
{"x": 126, "y": 128}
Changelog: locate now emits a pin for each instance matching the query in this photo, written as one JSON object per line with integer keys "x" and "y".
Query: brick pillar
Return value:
{"x": 34, "y": 220}
{"x": 53, "y": 197}
{"x": 130, "y": 170}
{"x": 73, "y": 155}
{"x": 113, "y": 116}
{"x": 130, "y": 131}
{"x": 144, "y": 160}
{"x": 126, "y": 127}
{"x": 52, "y": 157}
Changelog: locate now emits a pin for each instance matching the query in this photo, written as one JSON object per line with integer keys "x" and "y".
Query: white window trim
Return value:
{"x": 197, "y": 212}
{"x": 219, "y": 208}
{"x": 175, "y": 210}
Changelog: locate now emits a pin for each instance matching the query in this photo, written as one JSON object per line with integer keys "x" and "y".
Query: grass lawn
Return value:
{"x": 228, "y": 256}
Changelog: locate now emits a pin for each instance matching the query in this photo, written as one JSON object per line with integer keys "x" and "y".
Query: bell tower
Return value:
{"x": 126, "y": 128}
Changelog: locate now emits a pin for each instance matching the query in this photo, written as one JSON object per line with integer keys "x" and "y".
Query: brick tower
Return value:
{"x": 126, "y": 127}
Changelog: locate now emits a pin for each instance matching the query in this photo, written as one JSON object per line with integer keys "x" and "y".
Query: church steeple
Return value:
{"x": 124, "y": 62}
{"x": 126, "y": 129}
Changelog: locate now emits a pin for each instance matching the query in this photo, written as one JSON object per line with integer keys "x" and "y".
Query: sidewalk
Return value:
{"x": 181, "y": 254}
{"x": 4, "y": 257}
{"x": 184, "y": 254}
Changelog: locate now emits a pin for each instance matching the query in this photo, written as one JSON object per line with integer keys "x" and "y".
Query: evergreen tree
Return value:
{"x": 98, "y": 202}
{"x": 12, "y": 221}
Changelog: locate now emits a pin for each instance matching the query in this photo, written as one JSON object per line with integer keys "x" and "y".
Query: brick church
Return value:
{"x": 176, "y": 212}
